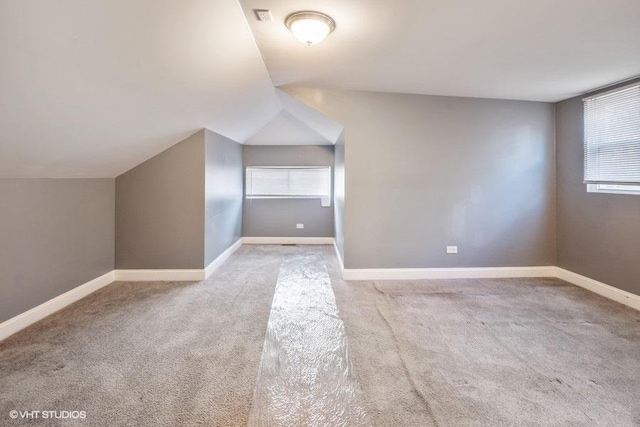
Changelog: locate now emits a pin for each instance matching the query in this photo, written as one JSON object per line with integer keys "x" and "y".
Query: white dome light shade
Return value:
{"x": 310, "y": 27}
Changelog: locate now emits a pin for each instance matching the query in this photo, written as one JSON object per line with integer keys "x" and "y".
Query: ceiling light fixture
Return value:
{"x": 310, "y": 27}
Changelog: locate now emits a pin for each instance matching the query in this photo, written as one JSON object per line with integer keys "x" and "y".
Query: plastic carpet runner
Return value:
{"x": 305, "y": 376}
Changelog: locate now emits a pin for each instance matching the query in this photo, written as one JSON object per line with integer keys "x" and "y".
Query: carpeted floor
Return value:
{"x": 494, "y": 352}
{"x": 149, "y": 354}
{"x": 520, "y": 352}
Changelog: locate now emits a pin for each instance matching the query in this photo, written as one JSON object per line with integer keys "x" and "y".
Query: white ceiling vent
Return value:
{"x": 263, "y": 15}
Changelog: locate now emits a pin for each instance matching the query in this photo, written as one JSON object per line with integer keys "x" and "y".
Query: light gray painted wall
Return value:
{"x": 424, "y": 172}
{"x": 55, "y": 235}
{"x": 160, "y": 210}
{"x": 223, "y": 194}
{"x": 598, "y": 234}
{"x": 278, "y": 217}
{"x": 338, "y": 194}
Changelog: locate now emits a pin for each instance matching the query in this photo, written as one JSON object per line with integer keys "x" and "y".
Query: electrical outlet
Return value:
{"x": 452, "y": 249}
{"x": 299, "y": 225}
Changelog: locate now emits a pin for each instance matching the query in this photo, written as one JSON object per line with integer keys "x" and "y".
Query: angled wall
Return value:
{"x": 160, "y": 210}
{"x": 56, "y": 234}
{"x": 182, "y": 208}
{"x": 223, "y": 194}
{"x": 338, "y": 194}
{"x": 424, "y": 172}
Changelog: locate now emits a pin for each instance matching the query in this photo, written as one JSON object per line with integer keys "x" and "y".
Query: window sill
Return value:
{"x": 285, "y": 197}
{"x": 325, "y": 202}
{"x": 614, "y": 189}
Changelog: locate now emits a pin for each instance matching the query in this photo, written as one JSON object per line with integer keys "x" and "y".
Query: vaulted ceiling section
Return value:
{"x": 92, "y": 88}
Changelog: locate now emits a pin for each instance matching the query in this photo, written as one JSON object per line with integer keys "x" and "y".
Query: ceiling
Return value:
{"x": 93, "y": 88}
{"x": 285, "y": 129}
{"x": 297, "y": 124}
{"x": 542, "y": 50}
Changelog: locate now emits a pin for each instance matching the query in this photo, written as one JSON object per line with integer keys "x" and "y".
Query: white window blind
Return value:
{"x": 612, "y": 138}
{"x": 288, "y": 182}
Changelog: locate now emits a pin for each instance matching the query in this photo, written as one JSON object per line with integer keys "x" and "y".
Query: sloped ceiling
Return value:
{"x": 540, "y": 50}
{"x": 285, "y": 129}
{"x": 93, "y": 88}
{"x": 328, "y": 128}
{"x": 297, "y": 124}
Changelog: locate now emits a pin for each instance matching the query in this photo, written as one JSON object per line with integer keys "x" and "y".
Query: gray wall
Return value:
{"x": 338, "y": 194}
{"x": 423, "y": 172}
{"x": 278, "y": 217}
{"x": 56, "y": 234}
{"x": 598, "y": 234}
{"x": 160, "y": 210}
{"x": 223, "y": 194}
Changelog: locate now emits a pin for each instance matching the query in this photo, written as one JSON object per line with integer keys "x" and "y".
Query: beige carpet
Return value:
{"x": 446, "y": 353}
{"x": 149, "y": 354}
{"x": 496, "y": 352}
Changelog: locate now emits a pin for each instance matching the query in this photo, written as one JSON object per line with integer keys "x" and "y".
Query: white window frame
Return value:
{"x": 325, "y": 198}
{"x": 597, "y": 183}
{"x": 614, "y": 188}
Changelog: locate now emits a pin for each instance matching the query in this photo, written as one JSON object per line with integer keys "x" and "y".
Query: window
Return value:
{"x": 288, "y": 182}
{"x": 612, "y": 141}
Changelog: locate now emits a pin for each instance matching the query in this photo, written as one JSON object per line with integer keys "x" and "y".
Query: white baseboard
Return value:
{"x": 340, "y": 262}
{"x": 197, "y": 274}
{"x": 21, "y": 321}
{"x": 177, "y": 275}
{"x": 287, "y": 240}
{"x": 607, "y": 291}
{"x": 445, "y": 273}
{"x": 208, "y": 271}
{"x": 160, "y": 275}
